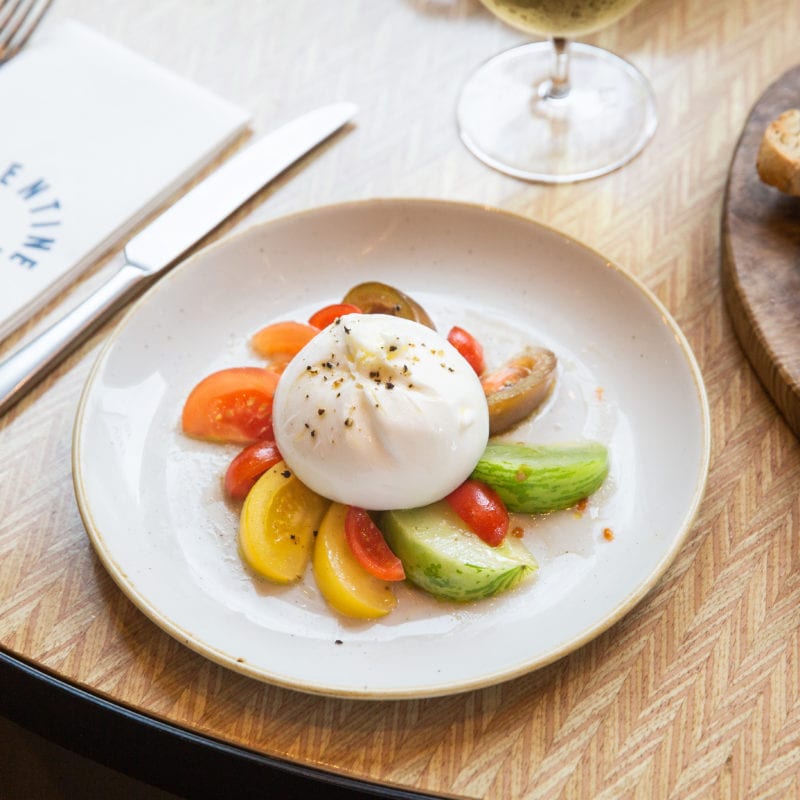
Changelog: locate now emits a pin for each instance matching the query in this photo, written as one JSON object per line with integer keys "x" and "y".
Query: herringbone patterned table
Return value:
{"x": 693, "y": 694}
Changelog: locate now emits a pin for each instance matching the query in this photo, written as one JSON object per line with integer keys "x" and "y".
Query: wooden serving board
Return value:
{"x": 760, "y": 261}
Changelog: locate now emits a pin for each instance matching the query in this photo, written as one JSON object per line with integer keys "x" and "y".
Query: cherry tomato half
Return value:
{"x": 468, "y": 346}
{"x": 326, "y": 315}
{"x": 481, "y": 509}
{"x": 232, "y": 405}
{"x": 249, "y": 466}
{"x": 367, "y": 544}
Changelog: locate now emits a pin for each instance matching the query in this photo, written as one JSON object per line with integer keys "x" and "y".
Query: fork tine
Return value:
{"x": 11, "y": 8}
{"x": 33, "y": 23}
{"x": 23, "y": 26}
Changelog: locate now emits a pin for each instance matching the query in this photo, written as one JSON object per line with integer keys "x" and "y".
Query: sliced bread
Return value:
{"x": 778, "y": 161}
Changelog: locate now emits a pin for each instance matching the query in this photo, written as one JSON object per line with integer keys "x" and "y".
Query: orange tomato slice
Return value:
{"x": 282, "y": 338}
{"x": 232, "y": 405}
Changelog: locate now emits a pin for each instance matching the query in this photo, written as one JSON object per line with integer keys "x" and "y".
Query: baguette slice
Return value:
{"x": 778, "y": 161}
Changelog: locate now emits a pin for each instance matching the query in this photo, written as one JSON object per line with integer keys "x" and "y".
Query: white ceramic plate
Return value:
{"x": 152, "y": 500}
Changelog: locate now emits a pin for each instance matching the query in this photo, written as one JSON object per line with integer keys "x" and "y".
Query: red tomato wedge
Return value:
{"x": 367, "y": 544}
{"x": 232, "y": 405}
{"x": 249, "y": 466}
{"x": 282, "y": 338}
{"x": 481, "y": 509}
{"x": 468, "y": 346}
{"x": 326, "y": 315}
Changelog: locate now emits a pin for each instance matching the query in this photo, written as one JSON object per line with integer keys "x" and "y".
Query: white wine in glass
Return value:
{"x": 557, "y": 111}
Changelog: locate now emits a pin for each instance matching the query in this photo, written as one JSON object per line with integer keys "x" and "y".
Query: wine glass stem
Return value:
{"x": 557, "y": 87}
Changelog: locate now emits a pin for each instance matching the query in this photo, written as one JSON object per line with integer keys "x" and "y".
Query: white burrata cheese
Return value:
{"x": 380, "y": 412}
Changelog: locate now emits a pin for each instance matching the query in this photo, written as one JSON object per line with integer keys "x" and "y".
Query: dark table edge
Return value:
{"x": 157, "y": 753}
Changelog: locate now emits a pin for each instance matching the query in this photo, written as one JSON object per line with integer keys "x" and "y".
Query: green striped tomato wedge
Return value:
{"x": 441, "y": 555}
{"x": 537, "y": 479}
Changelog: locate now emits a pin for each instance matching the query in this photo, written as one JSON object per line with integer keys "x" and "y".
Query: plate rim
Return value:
{"x": 438, "y": 689}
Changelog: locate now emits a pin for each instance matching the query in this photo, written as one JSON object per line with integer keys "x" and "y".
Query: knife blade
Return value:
{"x": 161, "y": 244}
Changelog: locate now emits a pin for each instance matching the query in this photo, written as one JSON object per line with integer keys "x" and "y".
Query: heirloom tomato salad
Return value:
{"x": 370, "y": 452}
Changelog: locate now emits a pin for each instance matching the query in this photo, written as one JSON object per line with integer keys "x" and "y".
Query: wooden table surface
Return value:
{"x": 696, "y": 692}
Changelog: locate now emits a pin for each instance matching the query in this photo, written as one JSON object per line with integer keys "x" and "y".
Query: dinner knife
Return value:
{"x": 164, "y": 241}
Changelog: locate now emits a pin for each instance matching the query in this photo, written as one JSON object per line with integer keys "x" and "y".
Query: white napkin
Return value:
{"x": 92, "y": 138}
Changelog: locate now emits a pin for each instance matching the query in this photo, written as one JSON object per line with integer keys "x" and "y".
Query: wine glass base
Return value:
{"x": 508, "y": 122}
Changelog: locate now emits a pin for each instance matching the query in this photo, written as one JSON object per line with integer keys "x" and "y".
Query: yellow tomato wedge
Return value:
{"x": 278, "y": 520}
{"x": 344, "y": 583}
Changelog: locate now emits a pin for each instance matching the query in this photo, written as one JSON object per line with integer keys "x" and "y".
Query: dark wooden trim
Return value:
{"x": 154, "y": 752}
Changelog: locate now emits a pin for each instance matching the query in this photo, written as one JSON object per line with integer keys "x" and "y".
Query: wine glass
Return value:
{"x": 557, "y": 111}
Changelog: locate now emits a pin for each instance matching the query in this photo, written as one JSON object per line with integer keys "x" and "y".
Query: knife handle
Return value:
{"x": 22, "y": 370}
